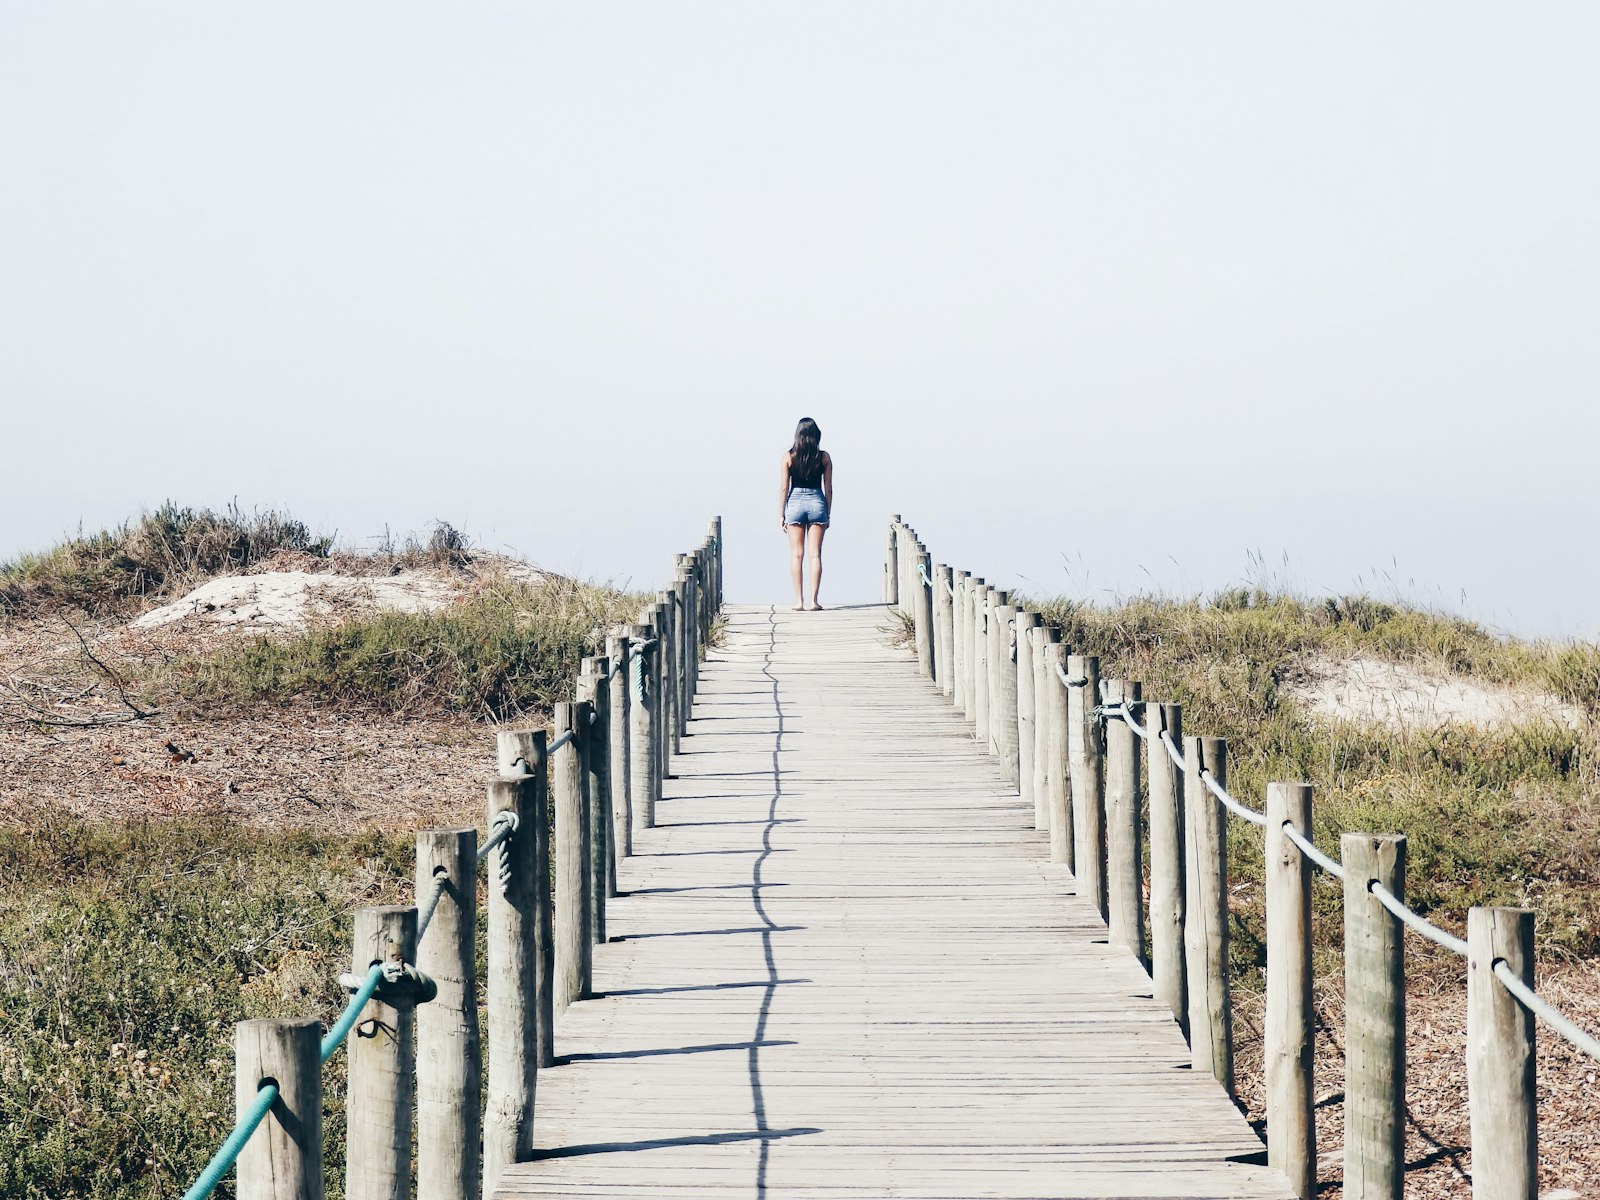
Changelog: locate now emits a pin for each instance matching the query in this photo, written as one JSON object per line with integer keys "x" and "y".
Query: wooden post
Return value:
{"x": 891, "y": 565}
{"x": 1375, "y": 1019}
{"x": 922, "y": 598}
{"x": 678, "y": 611}
{"x": 702, "y": 605}
{"x": 902, "y": 550}
{"x": 1057, "y": 774}
{"x": 574, "y": 916}
{"x": 620, "y": 694}
{"x": 519, "y": 974}
{"x": 1042, "y": 636}
{"x": 1086, "y": 760}
{"x": 1003, "y": 690}
{"x": 910, "y": 585}
{"x": 1124, "y": 849}
{"x": 522, "y": 947}
{"x": 1205, "y": 928}
{"x": 943, "y": 631}
{"x": 1288, "y": 1048}
{"x": 997, "y": 635}
{"x": 686, "y": 654}
{"x": 671, "y": 666}
{"x": 661, "y": 660}
{"x": 283, "y": 1158}
{"x": 594, "y": 688}
{"x": 716, "y": 533}
{"x": 979, "y": 656}
{"x": 1165, "y": 784}
{"x": 641, "y": 728}
{"x": 382, "y": 1064}
{"x": 1500, "y": 1057}
{"x": 449, "y": 1054}
{"x": 1032, "y": 797}
{"x": 959, "y": 624}
{"x": 691, "y": 637}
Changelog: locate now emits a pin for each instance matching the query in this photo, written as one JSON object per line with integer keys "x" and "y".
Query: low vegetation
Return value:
{"x": 130, "y": 947}
{"x": 1506, "y": 815}
{"x": 117, "y": 571}
{"x": 509, "y": 649}
{"x": 127, "y": 953}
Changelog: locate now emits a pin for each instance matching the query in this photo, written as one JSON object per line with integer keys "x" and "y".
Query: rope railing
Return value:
{"x": 425, "y": 911}
{"x": 1414, "y": 921}
{"x": 1229, "y": 803}
{"x": 1546, "y": 1012}
{"x": 679, "y": 626}
{"x": 1173, "y": 752}
{"x": 1330, "y": 866}
{"x": 228, "y": 1153}
{"x": 1084, "y": 787}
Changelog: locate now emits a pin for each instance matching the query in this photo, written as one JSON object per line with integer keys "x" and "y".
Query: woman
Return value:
{"x": 807, "y": 501}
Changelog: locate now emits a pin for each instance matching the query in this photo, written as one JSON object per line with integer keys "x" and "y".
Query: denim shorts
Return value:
{"x": 805, "y": 507}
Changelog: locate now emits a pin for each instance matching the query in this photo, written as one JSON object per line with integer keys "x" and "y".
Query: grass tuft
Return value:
{"x": 116, "y": 571}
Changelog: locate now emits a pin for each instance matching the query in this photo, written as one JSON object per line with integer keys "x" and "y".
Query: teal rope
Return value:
{"x": 334, "y": 1038}
{"x": 222, "y": 1162}
{"x": 228, "y": 1153}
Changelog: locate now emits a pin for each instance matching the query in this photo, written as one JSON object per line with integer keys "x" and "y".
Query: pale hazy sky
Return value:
{"x": 1102, "y": 297}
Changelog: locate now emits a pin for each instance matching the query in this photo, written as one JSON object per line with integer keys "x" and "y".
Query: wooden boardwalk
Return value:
{"x": 844, "y": 968}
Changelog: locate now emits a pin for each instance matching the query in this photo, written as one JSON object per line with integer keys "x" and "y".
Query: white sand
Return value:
{"x": 1371, "y": 691}
{"x": 293, "y": 600}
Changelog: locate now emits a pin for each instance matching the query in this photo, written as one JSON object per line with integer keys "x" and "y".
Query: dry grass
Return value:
{"x": 187, "y": 819}
{"x": 117, "y": 571}
{"x": 1497, "y": 816}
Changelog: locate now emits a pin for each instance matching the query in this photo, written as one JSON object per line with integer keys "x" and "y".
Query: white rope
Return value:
{"x": 1541, "y": 1008}
{"x": 1228, "y": 802}
{"x": 561, "y": 741}
{"x": 1421, "y": 925}
{"x": 1127, "y": 719}
{"x": 1331, "y": 866}
{"x": 1172, "y": 751}
{"x": 948, "y": 588}
{"x": 1067, "y": 680}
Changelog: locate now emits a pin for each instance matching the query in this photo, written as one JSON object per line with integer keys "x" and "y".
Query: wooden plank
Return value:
{"x": 842, "y": 964}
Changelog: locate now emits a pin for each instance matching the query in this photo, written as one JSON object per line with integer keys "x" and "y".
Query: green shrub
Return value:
{"x": 127, "y": 955}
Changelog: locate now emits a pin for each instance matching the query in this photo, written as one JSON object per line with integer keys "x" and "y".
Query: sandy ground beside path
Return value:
{"x": 1438, "y": 1130}
{"x": 278, "y": 769}
{"x": 1373, "y": 691}
{"x": 294, "y": 600}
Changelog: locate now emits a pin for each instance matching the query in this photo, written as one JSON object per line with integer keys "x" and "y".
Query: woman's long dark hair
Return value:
{"x": 805, "y": 456}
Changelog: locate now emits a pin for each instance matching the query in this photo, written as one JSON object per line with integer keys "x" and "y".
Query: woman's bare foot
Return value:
{"x": 814, "y": 607}
{"x": 799, "y": 608}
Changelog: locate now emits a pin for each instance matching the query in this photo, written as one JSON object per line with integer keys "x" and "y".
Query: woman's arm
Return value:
{"x": 783, "y": 495}
{"x": 827, "y": 482}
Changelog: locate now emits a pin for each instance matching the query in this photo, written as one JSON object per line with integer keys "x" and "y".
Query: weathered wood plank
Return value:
{"x": 842, "y": 965}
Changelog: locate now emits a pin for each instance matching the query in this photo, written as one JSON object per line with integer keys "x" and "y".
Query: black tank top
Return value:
{"x": 813, "y": 481}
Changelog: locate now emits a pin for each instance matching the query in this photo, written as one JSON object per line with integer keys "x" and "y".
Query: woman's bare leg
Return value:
{"x": 797, "y": 551}
{"x": 814, "y": 543}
